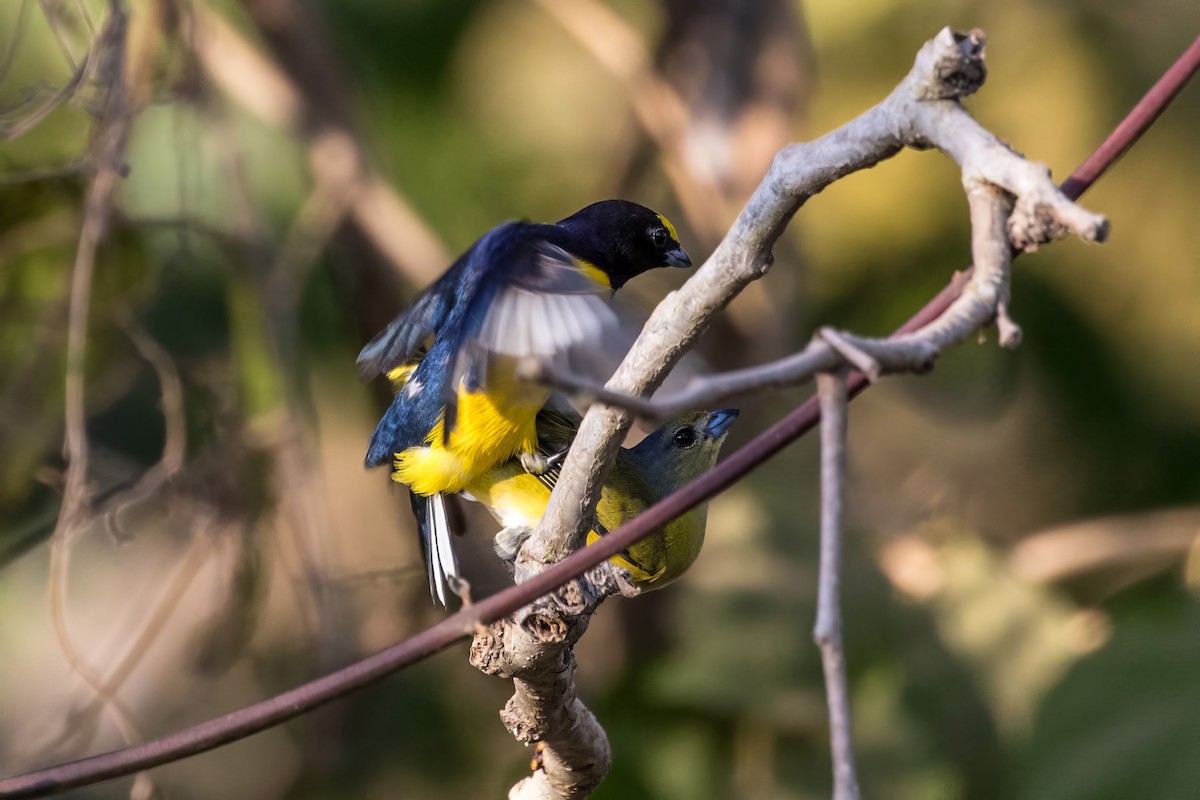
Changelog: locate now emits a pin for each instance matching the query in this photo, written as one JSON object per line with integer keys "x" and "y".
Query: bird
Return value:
{"x": 524, "y": 289}
{"x": 672, "y": 455}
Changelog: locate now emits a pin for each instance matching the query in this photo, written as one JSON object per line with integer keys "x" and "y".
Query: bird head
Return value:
{"x": 624, "y": 239}
{"x": 683, "y": 448}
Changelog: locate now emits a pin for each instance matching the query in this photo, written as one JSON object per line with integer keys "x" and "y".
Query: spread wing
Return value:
{"x": 512, "y": 295}
{"x": 412, "y": 330}
{"x": 552, "y": 307}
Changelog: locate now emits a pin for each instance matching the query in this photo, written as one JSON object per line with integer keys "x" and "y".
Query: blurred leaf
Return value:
{"x": 1125, "y": 721}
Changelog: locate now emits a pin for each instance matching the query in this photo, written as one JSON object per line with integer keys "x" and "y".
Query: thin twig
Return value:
{"x": 711, "y": 390}
{"x": 28, "y": 120}
{"x": 827, "y": 632}
{"x": 113, "y": 133}
{"x": 79, "y": 723}
{"x": 68, "y": 171}
{"x": 1136, "y": 122}
{"x": 174, "y": 425}
{"x": 51, "y": 12}
{"x": 18, "y": 31}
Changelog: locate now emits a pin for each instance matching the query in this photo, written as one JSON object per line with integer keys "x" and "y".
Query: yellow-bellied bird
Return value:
{"x": 669, "y": 457}
{"x": 524, "y": 289}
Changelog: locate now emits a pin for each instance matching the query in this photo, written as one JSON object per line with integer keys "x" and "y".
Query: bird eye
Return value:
{"x": 658, "y": 236}
{"x": 684, "y": 438}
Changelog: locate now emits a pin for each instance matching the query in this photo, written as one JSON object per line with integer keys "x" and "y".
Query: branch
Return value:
{"x": 278, "y": 709}
{"x": 793, "y": 370}
{"x": 174, "y": 425}
{"x": 107, "y": 55}
{"x": 827, "y": 632}
{"x": 922, "y": 112}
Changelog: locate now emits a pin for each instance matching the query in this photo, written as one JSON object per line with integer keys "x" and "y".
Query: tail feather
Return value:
{"x": 437, "y": 544}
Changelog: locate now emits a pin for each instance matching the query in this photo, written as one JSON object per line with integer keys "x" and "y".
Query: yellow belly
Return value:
{"x": 518, "y": 499}
{"x": 490, "y": 428}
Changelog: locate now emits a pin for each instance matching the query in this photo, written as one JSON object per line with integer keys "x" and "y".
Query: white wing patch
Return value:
{"x": 525, "y": 323}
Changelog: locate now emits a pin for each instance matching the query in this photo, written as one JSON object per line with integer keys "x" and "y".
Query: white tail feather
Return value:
{"x": 442, "y": 563}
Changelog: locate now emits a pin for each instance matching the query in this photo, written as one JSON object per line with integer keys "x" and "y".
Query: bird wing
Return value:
{"x": 412, "y": 329}
{"x": 547, "y": 305}
{"x": 512, "y": 295}
{"x": 551, "y": 304}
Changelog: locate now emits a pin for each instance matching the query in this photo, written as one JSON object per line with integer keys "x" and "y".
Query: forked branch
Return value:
{"x": 1014, "y": 205}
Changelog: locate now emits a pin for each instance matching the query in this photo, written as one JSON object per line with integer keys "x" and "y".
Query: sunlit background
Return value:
{"x": 1024, "y": 550}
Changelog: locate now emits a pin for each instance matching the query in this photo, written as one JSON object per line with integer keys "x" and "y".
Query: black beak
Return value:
{"x": 678, "y": 258}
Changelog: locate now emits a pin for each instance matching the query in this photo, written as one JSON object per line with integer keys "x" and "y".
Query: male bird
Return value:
{"x": 524, "y": 289}
{"x": 669, "y": 457}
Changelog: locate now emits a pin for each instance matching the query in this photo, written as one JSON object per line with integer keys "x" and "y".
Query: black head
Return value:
{"x": 623, "y": 239}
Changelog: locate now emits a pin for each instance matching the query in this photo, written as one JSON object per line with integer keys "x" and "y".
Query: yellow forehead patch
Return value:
{"x": 670, "y": 228}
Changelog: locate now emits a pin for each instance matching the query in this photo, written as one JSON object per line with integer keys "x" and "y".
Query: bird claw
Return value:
{"x": 538, "y": 464}
{"x": 534, "y": 463}
{"x": 507, "y": 543}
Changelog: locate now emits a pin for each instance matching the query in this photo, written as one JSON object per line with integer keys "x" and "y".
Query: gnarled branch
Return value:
{"x": 1013, "y": 204}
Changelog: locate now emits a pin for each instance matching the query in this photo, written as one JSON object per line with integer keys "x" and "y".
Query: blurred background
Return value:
{"x": 1024, "y": 550}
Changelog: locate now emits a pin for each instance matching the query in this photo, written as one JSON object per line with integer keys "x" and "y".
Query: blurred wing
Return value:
{"x": 526, "y": 323}
{"x": 413, "y": 328}
{"x": 550, "y": 305}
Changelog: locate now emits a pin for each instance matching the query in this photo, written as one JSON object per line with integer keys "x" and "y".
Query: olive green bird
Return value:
{"x": 665, "y": 460}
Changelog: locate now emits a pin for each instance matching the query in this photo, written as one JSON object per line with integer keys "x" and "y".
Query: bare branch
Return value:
{"x": 827, "y": 632}
{"x": 990, "y": 170}
{"x": 68, "y": 171}
{"x": 174, "y": 424}
{"x": 923, "y": 110}
{"x": 18, "y": 30}
{"x": 80, "y": 723}
{"x": 113, "y": 133}
{"x": 30, "y": 119}
{"x": 1136, "y": 122}
{"x": 544, "y": 709}
{"x": 920, "y": 111}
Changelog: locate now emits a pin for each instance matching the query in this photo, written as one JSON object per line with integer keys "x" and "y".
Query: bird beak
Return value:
{"x": 678, "y": 258}
{"x": 719, "y": 422}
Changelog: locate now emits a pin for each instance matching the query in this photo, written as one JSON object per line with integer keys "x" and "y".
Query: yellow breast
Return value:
{"x": 490, "y": 428}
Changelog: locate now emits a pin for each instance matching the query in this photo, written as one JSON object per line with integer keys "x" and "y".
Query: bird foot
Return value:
{"x": 508, "y": 543}
{"x": 538, "y": 464}
{"x": 534, "y": 463}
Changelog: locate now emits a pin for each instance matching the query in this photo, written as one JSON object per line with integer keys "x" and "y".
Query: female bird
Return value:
{"x": 665, "y": 460}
